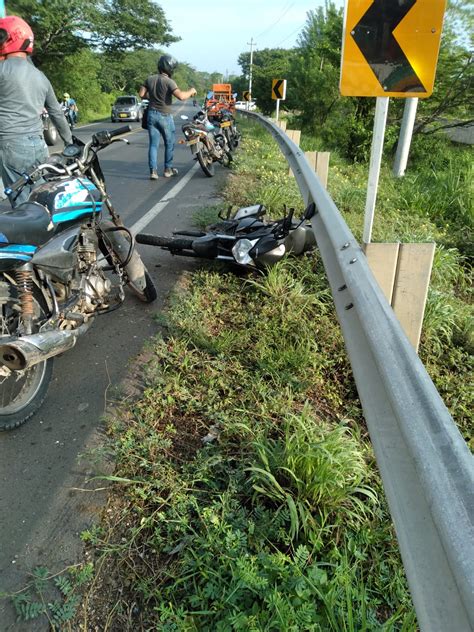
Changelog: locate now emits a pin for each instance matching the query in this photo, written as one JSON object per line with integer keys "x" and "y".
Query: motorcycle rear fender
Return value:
{"x": 299, "y": 240}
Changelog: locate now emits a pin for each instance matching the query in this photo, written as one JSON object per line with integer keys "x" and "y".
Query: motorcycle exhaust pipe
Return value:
{"x": 25, "y": 352}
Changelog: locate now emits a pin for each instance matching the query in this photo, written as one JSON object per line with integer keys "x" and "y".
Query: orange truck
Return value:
{"x": 222, "y": 98}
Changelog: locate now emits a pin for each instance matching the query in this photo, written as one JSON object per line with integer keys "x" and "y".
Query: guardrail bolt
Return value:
{"x": 342, "y": 288}
{"x": 353, "y": 260}
{"x": 350, "y": 306}
{"x": 346, "y": 245}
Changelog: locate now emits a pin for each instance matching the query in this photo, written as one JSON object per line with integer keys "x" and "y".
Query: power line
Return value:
{"x": 285, "y": 11}
{"x": 291, "y": 34}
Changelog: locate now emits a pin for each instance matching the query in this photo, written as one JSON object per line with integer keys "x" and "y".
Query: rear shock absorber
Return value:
{"x": 24, "y": 279}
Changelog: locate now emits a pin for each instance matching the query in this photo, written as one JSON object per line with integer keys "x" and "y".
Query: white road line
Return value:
{"x": 163, "y": 203}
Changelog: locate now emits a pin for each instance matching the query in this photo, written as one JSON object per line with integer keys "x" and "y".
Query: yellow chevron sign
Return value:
{"x": 247, "y": 96}
{"x": 279, "y": 89}
{"x": 390, "y": 48}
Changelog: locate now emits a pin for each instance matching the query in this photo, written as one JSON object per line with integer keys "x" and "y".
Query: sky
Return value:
{"x": 215, "y": 33}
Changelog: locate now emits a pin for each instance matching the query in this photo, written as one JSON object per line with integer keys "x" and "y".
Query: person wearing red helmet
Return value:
{"x": 24, "y": 93}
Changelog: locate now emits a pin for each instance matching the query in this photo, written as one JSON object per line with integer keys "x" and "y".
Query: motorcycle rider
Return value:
{"x": 69, "y": 104}
{"x": 24, "y": 92}
{"x": 160, "y": 89}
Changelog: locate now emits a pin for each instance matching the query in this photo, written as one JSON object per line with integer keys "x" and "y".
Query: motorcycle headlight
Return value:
{"x": 241, "y": 250}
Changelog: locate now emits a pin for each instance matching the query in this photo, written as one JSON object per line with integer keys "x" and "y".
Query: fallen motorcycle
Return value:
{"x": 61, "y": 264}
{"x": 207, "y": 142}
{"x": 243, "y": 238}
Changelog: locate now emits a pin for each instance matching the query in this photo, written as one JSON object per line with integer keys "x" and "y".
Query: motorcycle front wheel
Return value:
{"x": 21, "y": 392}
{"x": 205, "y": 160}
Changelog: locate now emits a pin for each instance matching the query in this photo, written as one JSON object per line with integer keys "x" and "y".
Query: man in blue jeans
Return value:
{"x": 159, "y": 90}
{"x": 24, "y": 93}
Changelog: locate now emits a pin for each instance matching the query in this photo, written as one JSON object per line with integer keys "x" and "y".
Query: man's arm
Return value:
{"x": 57, "y": 116}
{"x": 143, "y": 92}
{"x": 183, "y": 95}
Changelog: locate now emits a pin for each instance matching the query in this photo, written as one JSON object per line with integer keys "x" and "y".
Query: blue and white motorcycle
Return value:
{"x": 61, "y": 264}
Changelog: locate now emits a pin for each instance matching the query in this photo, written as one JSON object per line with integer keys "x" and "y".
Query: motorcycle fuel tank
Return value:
{"x": 69, "y": 201}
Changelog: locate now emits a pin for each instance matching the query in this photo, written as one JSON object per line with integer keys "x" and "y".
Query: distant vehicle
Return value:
{"x": 242, "y": 105}
{"x": 127, "y": 108}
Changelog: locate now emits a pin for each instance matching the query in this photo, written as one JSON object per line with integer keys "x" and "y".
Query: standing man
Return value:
{"x": 24, "y": 93}
{"x": 159, "y": 89}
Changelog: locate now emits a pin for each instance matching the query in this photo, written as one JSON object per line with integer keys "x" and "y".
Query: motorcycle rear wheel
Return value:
{"x": 206, "y": 162}
{"x": 22, "y": 392}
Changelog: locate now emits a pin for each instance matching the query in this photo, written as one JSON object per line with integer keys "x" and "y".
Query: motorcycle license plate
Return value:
{"x": 193, "y": 141}
{"x": 122, "y": 115}
{"x": 226, "y": 124}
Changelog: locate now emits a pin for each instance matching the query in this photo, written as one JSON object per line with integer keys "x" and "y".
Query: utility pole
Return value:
{"x": 251, "y": 44}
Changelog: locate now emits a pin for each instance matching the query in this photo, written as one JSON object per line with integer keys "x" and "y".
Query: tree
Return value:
{"x": 62, "y": 27}
{"x": 268, "y": 64}
{"x": 453, "y": 93}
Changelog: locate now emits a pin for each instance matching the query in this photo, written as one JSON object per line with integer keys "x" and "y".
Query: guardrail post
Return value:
{"x": 295, "y": 136}
{"x": 403, "y": 272}
{"x": 319, "y": 160}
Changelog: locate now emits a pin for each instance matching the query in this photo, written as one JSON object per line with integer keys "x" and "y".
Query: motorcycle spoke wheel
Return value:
{"x": 206, "y": 162}
{"x": 22, "y": 393}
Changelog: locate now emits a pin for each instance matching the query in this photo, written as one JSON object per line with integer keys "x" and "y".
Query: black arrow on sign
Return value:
{"x": 276, "y": 89}
{"x": 374, "y": 36}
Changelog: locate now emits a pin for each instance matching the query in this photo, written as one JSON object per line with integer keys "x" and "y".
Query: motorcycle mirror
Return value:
{"x": 310, "y": 211}
{"x": 184, "y": 117}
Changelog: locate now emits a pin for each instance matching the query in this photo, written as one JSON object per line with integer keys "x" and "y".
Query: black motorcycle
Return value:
{"x": 208, "y": 144}
{"x": 242, "y": 238}
{"x": 225, "y": 120}
{"x": 61, "y": 264}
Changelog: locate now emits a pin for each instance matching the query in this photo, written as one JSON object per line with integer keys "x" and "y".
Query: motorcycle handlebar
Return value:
{"x": 121, "y": 130}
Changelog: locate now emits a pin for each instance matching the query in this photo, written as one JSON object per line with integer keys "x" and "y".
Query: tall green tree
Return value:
{"x": 268, "y": 64}
{"x": 62, "y": 27}
{"x": 453, "y": 94}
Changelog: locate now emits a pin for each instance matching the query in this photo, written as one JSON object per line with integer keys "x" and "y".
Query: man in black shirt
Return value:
{"x": 159, "y": 90}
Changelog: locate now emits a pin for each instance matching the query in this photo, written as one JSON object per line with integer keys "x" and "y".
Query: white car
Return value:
{"x": 242, "y": 105}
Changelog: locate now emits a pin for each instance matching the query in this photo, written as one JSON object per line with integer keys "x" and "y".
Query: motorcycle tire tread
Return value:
{"x": 14, "y": 420}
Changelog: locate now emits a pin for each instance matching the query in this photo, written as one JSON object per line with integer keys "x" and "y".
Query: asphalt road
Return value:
{"x": 42, "y": 510}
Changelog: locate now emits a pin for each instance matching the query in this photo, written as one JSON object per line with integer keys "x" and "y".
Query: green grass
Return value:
{"x": 246, "y": 492}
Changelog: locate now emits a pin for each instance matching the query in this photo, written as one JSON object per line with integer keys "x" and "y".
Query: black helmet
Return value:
{"x": 167, "y": 64}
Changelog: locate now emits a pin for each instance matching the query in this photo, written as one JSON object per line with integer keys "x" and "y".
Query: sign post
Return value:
{"x": 404, "y": 140}
{"x": 278, "y": 93}
{"x": 389, "y": 49}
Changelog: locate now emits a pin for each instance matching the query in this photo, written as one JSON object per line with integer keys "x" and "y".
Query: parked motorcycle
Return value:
{"x": 224, "y": 119}
{"x": 243, "y": 238}
{"x": 207, "y": 142}
{"x": 61, "y": 264}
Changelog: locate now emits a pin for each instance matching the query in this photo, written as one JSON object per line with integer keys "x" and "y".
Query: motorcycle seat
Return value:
{"x": 27, "y": 224}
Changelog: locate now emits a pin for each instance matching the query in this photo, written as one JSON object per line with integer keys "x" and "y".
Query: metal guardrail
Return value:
{"x": 426, "y": 467}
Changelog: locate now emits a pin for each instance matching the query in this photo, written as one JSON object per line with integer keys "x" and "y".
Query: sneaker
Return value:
{"x": 153, "y": 174}
{"x": 171, "y": 171}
